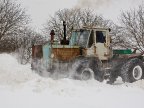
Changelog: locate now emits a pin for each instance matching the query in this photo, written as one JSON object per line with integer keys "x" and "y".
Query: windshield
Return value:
{"x": 84, "y": 34}
{"x": 80, "y": 38}
{"x": 74, "y": 37}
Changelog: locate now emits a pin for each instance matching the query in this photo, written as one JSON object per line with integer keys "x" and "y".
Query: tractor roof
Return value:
{"x": 92, "y": 27}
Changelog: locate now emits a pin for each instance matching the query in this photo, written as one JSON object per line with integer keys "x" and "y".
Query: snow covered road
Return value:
{"x": 22, "y": 88}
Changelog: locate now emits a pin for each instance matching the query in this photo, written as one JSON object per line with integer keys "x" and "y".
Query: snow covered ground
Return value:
{"x": 22, "y": 88}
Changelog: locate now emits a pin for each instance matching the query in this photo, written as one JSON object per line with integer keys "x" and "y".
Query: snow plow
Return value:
{"x": 86, "y": 55}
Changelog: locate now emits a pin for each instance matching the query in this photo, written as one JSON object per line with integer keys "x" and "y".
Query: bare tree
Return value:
{"x": 12, "y": 17}
{"x": 89, "y": 18}
{"x": 12, "y": 20}
{"x": 133, "y": 28}
{"x": 15, "y": 34}
{"x": 118, "y": 37}
{"x": 75, "y": 18}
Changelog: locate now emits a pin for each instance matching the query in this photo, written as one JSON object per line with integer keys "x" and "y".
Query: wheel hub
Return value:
{"x": 137, "y": 72}
{"x": 87, "y": 74}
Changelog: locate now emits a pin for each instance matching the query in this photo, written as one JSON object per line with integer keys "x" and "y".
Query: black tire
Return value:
{"x": 87, "y": 68}
{"x": 132, "y": 70}
{"x": 86, "y": 74}
{"x": 113, "y": 76}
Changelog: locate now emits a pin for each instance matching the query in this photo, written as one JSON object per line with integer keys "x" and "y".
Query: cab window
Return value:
{"x": 100, "y": 36}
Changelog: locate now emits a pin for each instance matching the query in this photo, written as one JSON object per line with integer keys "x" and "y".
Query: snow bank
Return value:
{"x": 11, "y": 72}
{"x": 22, "y": 88}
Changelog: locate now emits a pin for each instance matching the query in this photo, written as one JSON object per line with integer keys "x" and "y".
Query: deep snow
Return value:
{"x": 22, "y": 88}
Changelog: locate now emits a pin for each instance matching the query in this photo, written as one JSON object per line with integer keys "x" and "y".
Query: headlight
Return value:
{"x": 52, "y": 55}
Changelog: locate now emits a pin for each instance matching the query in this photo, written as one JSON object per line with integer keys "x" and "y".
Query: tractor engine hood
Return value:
{"x": 65, "y": 52}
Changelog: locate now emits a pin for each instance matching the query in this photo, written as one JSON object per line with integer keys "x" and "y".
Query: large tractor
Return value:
{"x": 87, "y": 54}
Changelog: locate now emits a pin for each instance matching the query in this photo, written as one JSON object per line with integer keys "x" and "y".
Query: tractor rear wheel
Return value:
{"x": 132, "y": 70}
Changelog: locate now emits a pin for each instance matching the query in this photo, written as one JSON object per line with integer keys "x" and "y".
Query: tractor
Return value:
{"x": 86, "y": 55}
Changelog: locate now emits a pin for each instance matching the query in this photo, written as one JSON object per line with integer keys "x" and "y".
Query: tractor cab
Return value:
{"x": 93, "y": 42}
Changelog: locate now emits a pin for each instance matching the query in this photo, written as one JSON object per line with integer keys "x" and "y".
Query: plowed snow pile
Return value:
{"x": 22, "y": 88}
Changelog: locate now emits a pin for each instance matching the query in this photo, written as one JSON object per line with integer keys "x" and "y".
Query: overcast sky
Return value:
{"x": 40, "y": 10}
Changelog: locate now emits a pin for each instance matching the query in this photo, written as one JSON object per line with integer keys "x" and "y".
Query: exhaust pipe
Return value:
{"x": 64, "y": 28}
{"x": 64, "y": 41}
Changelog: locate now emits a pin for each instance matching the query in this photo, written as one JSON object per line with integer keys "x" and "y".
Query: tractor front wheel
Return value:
{"x": 87, "y": 68}
{"x": 87, "y": 74}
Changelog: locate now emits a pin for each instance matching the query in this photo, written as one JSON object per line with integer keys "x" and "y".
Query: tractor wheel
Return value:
{"x": 87, "y": 74}
{"x": 132, "y": 70}
{"x": 86, "y": 69}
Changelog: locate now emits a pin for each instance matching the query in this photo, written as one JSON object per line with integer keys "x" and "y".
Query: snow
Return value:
{"x": 20, "y": 87}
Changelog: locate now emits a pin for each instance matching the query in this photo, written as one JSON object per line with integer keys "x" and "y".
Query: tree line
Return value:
{"x": 16, "y": 34}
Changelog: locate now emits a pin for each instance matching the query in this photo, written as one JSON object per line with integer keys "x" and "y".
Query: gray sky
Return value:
{"x": 40, "y": 10}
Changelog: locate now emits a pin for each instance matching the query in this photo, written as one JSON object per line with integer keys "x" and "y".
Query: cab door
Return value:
{"x": 91, "y": 49}
{"x": 102, "y": 44}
